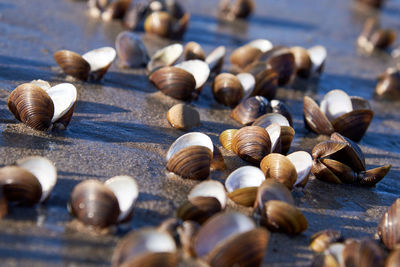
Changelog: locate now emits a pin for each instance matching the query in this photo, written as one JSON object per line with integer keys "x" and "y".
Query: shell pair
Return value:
{"x": 338, "y": 112}
{"x": 41, "y": 106}
{"x": 374, "y": 37}
{"x": 29, "y": 181}
{"x": 104, "y": 204}
{"x": 92, "y": 65}
{"x": 309, "y": 61}
{"x": 340, "y": 160}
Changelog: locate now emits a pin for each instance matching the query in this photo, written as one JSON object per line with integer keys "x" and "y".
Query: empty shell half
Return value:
{"x": 131, "y": 50}
{"x": 229, "y": 239}
{"x": 166, "y": 56}
{"x": 104, "y": 204}
{"x": 92, "y": 65}
{"x": 204, "y": 200}
{"x": 190, "y": 156}
{"x": 242, "y": 185}
{"x": 28, "y": 182}
{"x": 41, "y": 106}
{"x": 146, "y": 247}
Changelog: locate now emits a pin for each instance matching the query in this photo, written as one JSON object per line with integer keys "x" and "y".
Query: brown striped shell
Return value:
{"x": 227, "y": 89}
{"x": 389, "y": 226}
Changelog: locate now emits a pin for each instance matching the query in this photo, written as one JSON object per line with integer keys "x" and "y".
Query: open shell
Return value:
{"x": 131, "y": 50}
{"x": 190, "y": 156}
{"x": 302, "y": 161}
{"x": 198, "y": 68}
{"x": 227, "y": 239}
{"x": 280, "y": 168}
{"x": 242, "y": 185}
{"x": 166, "y": 56}
{"x": 245, "y": 55}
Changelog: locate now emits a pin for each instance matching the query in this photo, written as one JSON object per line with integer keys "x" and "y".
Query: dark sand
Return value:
{"x": 119, "y": 125}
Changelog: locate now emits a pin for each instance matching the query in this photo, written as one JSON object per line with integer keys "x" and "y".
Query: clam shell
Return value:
{"x": 159, "y": 23}
{"x": 226, "y": 137}
{"x": 218, "y": 162}
{"x": 302, "y": 161}
{"x": 267, "y": 119}
{"x": 271, "y": 189}
{"x": 126, "y": 190}
{"x": 100, "y": 60}
{"x": 245, "y": 55}
{"x": 251, "y": 143}
{"x": 287, "y": 135}
{"x": 115, "y": 10}
{"x": 321, "y": 240}
{"x": 223, "y": 238}
{"x": 280, "y": 107}
{"x": 248, "y": 83}
{"x": 64, "y": 96}
{"x": 186, "y": 234}
{"x": 166, "y": 56}
{"x": 318, "y": 55}
{"x": 193, "y": 50}
{"x": 315, "y": 119}
{"x": 262, "y": 44}
{"x": 131, "y": 50}
{"x": 302, "y": 60}
{"x": 266, "y": 83}
{"x": 354, "y": 124}
{"x": 209, "y": 189}
{"x": 279, "y": 216}
{"x": 94, "y": 204}
{"x": 283, "y": 62}
{"x": 342, "y": 171}
{"x": 242, "y": 184}
{"x": 227, "y": 89}
{"x": 389, "y": 226}
{"x": 335, "y": 104}
{"x": 72, "y": 64}
{"x": 327, "y": 148}
{"x": 20, "y": 185}
{"x": 274, "y": 131}
{"x": 145, "y": 247}
{"x": 31, "y": 105}
{"x": 183, "y": 116}
{"x": 215, "y": 59}
{"x": 363, "y": 253}
{"x": 280, "y": 168}
{"x": 250, "y": 109}
{"x": 389, "y": 84}
{"x": 351, "y": 154}
{"x": 241, "y": 9}
{"x": 174, "y": 82}
{"x": 198, "y": 209}
{"x": 198, "y": 68}
{"x": 373, "y": 176}
{"x": 323, "y": 173}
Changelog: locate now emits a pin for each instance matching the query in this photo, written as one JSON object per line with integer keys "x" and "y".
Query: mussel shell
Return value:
{"x": 351, "y": 155}
{"x": 251, "y": 143}
{"x": 315, "y": 118}
{"x": 226, "y": 137}
{"x": 271, "y": 189}
{"x": 389, "y": 226}
{"x": 363, "y": 253}
{"x": 321, "y": 240}
{"x": 174, "y": 82}
{"x": 199, "y": 209}
{"x": 279, "y": 216}
{"x": 250, "y": 109}
{"x": 353, "y": 124}
{"x": 72, "y": 64}
{"x": 31, "y": 105}
{"x": 19, "y": 185}
{"x": 280, "y": 168}
{"x": 302, "y": 60}
{"x": 194, "y": 50}
{"x": 373, "y": 176}
{"x": 227, "y": 89}
{"x": 94, "y": 204}
{"x": 191, "y": 162}
{"x": 244, "y": 55}
{"x": 131, "y": 50}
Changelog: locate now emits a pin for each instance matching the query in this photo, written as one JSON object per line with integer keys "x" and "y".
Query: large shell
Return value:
{"x": 145, "y": 247}
{"x": 250, "y": 109}
{"x": 226, "y": 137}
{"x": 190, "y": 156}
{"x": 166, "y": 56}
{"x": 227, "y": 89}
{"x": 94, "y": 204}
{"x": 72, "y": 64}
{"x": 271, "y": 189}
{"x": 131, "y": 51}
{"x": 389, "y": 226}
{"x": 251, "y": 143}
{"x": 279, "y": 216}
{"x": 280, "y": 168}
{"x": 100, "y": 60}
{"x": 223, "y": 239}
{"x": 242, "y": 185}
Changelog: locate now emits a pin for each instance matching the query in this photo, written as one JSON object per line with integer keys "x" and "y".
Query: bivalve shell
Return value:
{"x": 227, "y": 89}
{"x": 163, "y": 24}
{"x": 194, "y": 50}
{"x": 280, "y": 168}
{"x": 271, "y": 189}
{"x": 183, "y": 116}
{"x": 166, "y": 56}
{"x": 389, "y": 84}
{"x": 131, "y": 50}
{"x": 389, "y": 226}
{"x": 226, "y": 137}
{"x": 250, "y": 109}
{"x": 321, "y": 240}
{"x": 363, "y": 253}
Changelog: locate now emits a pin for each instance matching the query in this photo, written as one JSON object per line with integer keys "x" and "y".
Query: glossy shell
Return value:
{"x": 389, "y": 226}
{"x": 250, "y": 109}
{"x": 280, "y": 168}
{"x": 130, "y": 50}
{"x": 227, "y": 89}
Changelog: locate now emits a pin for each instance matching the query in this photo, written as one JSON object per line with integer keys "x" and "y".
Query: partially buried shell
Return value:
{"x": 103, "y": 204}
{"x": 30, "y": 181}
{"x": 41, "y": 106}
{"x": 145, "y": 247}
{"x": 250, "y": 109}
{"x": 279, "y": 216}
{"x": 190, "y": 156}
{"x": 131, "y": 50}
{"x": 279, "y": 167}
{"x": 229, "y": 239}
{"x": 204, "y": 200}
{"x": 389, "y": 226}
{"x": 242, "y": 185}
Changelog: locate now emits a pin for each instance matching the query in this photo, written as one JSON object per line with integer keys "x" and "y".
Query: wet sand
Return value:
{"x": 119, "y": 125}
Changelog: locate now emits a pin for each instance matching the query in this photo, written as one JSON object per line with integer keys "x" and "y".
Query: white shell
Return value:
{"x": 213, "y": 58}
{"x": 167, "y": 55}
{"x": 64, "y": 96}
{"x": 262, "y": 44}
{"x": 336, "y": 249}
{"x": 190, "y": 139}
{"x": 248, "y": 83}
{"x": 302, "y": 161}
{"x": 42, "y": 84}
{"x": 126, "y": 191}
{"x": 276, "y": 118}
{"x": 274, "y": 132}
{"x": 100, "y": 57}
{"x": 219, "y": 228}
{"x": 198, "y": 68}
{"x": 209, "y": 189}
{"x": 247, "y": 176}
{"x": 335, "y": 104}
{"x": 44, "y": 170}
{"x": 318, "y": 56}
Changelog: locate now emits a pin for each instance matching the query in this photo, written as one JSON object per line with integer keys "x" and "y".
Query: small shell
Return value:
{"x": 100, "y": 60}
{"x": 280, "y": 107}
{"x": 183, "y": 116}
{"x": 72, "y": 64}
{"x": 250, "y": 109}
{"x": 251, "y": 143}
{"x": 227, "y": 89}
{"x": 245, "y": 55}
{"x": 239, "y": 9}
{"x": 302, "y": 60}
{"x": 287, "y": 135}
{"x": 321, "y": 240}
{"x": 131, "y": 50}
{"x": 193, "y": 50}
{"x": 262, "y": 44}
{"x": 242, "y": 185}
{"x": 271, "y": 189}
{"x": 280, "y": 168}
{"x": 389, "y": 84}
{"x": 166, "y": 56}
{"x": 226, "y": 137}
{"x": 163, "y": 24}
{"x": 64, "y": 96}
{"x": 215, "y": 59}
{"x": 279, "y": 216}
{"x": 302, "y": 161}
